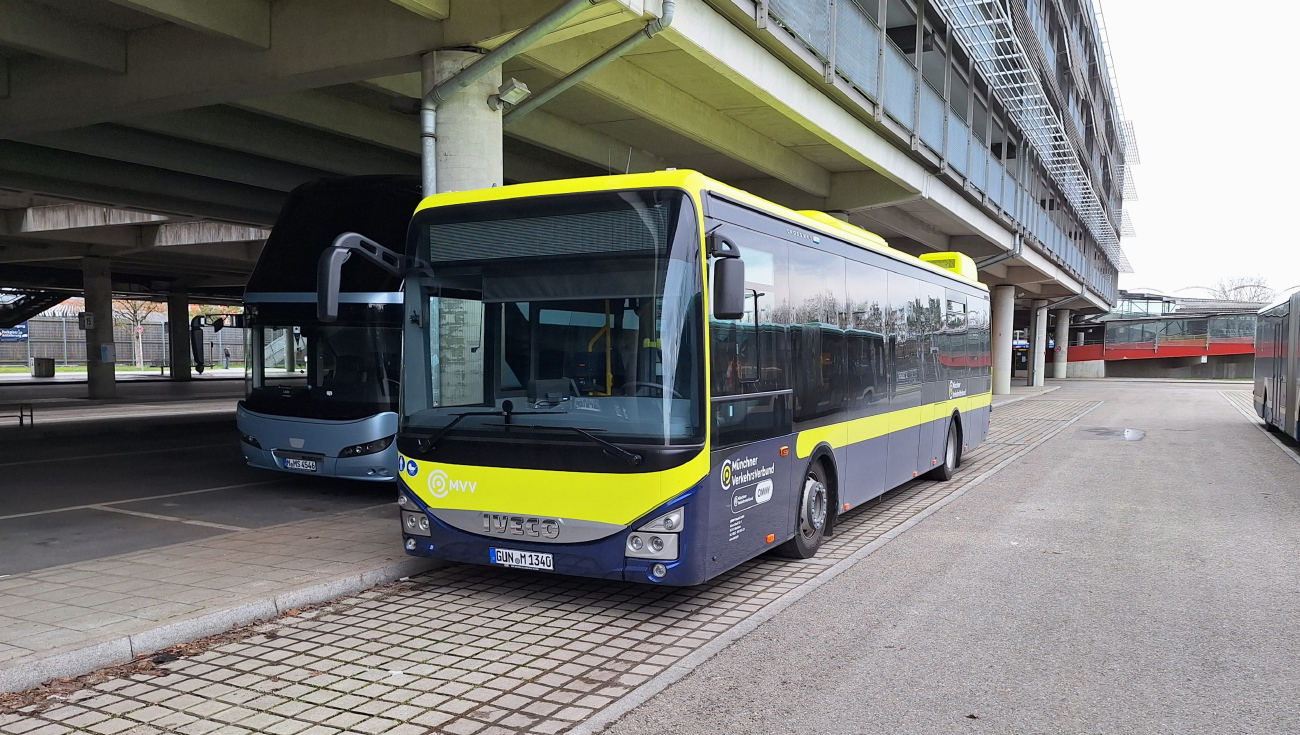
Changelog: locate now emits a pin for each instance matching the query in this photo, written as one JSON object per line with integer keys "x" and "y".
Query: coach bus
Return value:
{"x": 1276, "y": 364}
{"x": 575, "y": 400}
{"x": 321, "y": 399}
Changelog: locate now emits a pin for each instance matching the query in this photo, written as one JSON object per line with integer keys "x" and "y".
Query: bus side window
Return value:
{"x": 868, "y": 300}
{"x": 820, "y": 311}
{"x": 751, "y": 355}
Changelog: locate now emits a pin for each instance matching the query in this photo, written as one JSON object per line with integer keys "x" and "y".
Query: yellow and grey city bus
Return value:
{"x": 576, "y": 400}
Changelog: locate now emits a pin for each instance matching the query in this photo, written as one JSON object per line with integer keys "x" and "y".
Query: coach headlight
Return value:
{"x": 657, "y": 539}
{"x": 358, "y": 450}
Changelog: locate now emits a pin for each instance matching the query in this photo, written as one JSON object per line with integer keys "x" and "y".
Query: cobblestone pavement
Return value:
{"x": 471, "y": 649}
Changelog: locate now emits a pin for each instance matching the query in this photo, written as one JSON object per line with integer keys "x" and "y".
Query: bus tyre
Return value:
{"x": 951, "y": 456}
{"x": 810, "y": 516}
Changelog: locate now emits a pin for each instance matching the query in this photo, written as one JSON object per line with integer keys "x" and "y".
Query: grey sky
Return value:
{"x": 1216, "y": 185}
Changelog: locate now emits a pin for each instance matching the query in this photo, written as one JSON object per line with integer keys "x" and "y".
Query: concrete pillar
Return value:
{"x": 469, "y": 154}
{"x": 1004, "y": 308}
{"x": 1038, "y": 344}
{"x": 1062, "y": 339}
{"x": 178, "y": 334}
{"x": 101, "y": 352}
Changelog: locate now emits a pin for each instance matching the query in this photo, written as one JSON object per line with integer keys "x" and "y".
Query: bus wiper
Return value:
{"x": 429, "y": 442}
{"x": 631, "y": 458}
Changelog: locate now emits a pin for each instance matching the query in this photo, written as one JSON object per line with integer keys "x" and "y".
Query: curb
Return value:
{"x": 642, "y": 694}
{"x": 89, "y": 657}
{"x": 1014, "y": 399}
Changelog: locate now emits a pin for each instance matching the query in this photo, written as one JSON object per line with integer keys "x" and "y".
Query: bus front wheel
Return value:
{"x": 811, "y": 515}
{"x": 951, "y": 455}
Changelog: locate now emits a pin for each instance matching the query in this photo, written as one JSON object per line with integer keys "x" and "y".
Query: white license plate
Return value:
{"x": 307, "y": 465}
{"x": 522, "y": 559}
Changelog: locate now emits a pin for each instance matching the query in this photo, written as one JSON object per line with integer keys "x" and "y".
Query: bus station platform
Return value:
{"x": 1068, "y": 579}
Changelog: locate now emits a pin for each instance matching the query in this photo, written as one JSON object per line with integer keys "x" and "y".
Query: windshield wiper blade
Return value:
{"x": 429, "y": 442}
{"x": 631, "y": 458}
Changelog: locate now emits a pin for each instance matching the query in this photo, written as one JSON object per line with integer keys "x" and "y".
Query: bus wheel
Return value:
{"x": 951, "y": 456}
{"x": 814, "y": 503}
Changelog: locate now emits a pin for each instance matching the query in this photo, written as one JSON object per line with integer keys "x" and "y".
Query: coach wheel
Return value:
{"x": 814, "y": 504}
{"x": 951, "y": 455}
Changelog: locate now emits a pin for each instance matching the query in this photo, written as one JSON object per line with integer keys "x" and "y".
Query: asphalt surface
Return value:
{"x": 1101, "y": 585}
{"x": 153, "y": 482}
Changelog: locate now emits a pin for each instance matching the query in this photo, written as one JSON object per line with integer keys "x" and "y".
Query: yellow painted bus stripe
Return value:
{"x": 871, "y": 427}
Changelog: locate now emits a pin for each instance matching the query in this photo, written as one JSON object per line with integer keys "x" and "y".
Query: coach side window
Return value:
{"x": 821, "y": 370}
{"x": 868, "y": 296}
{"x": 750, "y": 357}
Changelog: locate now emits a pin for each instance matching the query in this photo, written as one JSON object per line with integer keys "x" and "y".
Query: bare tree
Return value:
{"x": 134, "y": 313}
{"x": 1251, "y": 289}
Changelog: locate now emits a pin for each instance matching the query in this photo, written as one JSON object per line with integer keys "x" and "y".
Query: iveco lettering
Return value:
{"x": 654, "y": 377}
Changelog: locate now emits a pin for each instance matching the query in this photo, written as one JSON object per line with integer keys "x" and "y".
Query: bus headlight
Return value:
{"x": 641, "y": 545}
{"x": 358, "y": 450}
{"x": 670, "y": 522}
{"x": 415, "y": 524}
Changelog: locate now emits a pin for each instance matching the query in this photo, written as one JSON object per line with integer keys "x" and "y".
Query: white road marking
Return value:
{"x": 114, "y": 454}
{"x": 173, "y": 519}
{"x": 134, "y": 500}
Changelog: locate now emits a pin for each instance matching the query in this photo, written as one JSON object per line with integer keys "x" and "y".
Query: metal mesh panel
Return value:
{"x": 995, "y": 182}
{"x": 932, "y": 114}
{"x": 900, "y": 87}
{"x": 810, "y": 20}
{"x": 985, "y": 30}
{"x": 624, "y": 230}
{"x": 857, "y": 47}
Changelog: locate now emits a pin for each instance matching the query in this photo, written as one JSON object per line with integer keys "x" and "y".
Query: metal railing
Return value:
{"x": 855, "y": 49}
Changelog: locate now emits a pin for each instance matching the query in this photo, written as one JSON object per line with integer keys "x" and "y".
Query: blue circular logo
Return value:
{"x": 411, "y": 469}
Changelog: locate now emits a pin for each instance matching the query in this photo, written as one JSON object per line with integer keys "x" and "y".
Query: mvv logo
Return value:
{"x": 521, "y": 525}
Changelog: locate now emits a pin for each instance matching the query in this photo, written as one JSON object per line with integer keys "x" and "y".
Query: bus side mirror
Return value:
{"x": 729, "y": 288}
{"x": 329, "y": 272}
{"x": 196, "y": 342}
{"x": 728, "y": 278}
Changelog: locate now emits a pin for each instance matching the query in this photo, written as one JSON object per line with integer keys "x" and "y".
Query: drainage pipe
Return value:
{"x": 493, "y": 59}
{"x": 650, "y": 30}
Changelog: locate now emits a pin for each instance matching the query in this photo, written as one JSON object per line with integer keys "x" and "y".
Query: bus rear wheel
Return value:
{"x": 811, "y": 516}
{"x": 951, "y": 455}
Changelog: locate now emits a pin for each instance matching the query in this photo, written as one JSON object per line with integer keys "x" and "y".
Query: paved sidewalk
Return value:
{"x": 470, "y": 649}
{"x": 67, "y": 620}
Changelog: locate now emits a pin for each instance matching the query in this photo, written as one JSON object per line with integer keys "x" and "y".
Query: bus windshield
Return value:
{"x": 322, "y": 372}
{"x": 571, "y": 317}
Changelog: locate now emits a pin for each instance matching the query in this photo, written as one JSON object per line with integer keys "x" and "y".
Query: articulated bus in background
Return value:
{"x": 1276, "y": 366}
{"x": 322, "y": 398}
{"x": 576, "y": 400}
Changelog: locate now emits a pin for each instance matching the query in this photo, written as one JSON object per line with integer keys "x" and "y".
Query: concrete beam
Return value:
{"x": 317, "y": 43}
{"x": 431, "y": 9}
{"x": 903, "y": 223}
{"x": 59, "y": 217}
{"x": 23, "y": 159}
{"x": 4, "y": 78}
{"x": 248, "y": 21}
{"x": 149, "y": 149}
{"x": 207, "y": 233}
{"x": 589, "y": 146}
{"x": 259, "y": 135}
{"x": 324, "y": 111}
{"x": 653, "y": 98}
{"x": 31, "y": 28}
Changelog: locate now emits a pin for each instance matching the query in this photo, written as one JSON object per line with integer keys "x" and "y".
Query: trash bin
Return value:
{"x": 42, "y": 367}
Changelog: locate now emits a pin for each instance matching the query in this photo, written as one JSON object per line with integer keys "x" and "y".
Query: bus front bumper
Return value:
{"x": 281, "y": 439}
{"x": 602, "y": 559}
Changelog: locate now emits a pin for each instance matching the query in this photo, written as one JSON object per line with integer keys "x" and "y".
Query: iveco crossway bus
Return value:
{"x": 321, "y": 398}
{"x": 655, "y": 377}
{"x": 1277, "y": 365}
